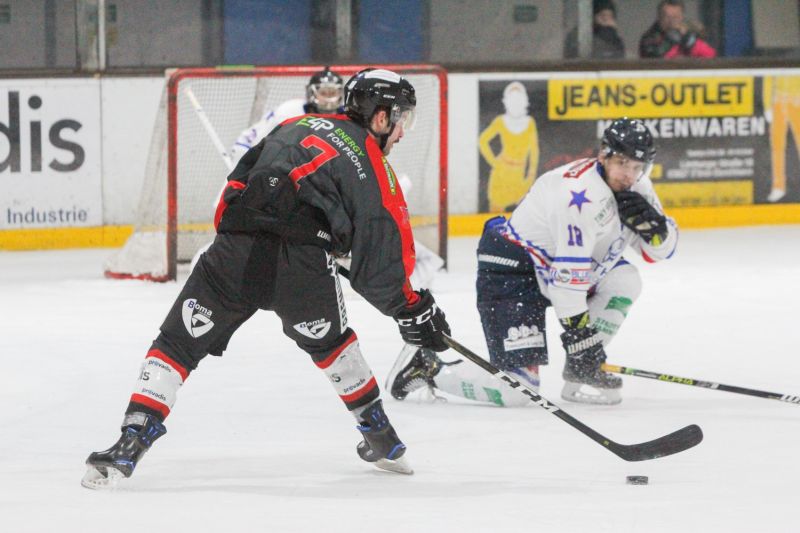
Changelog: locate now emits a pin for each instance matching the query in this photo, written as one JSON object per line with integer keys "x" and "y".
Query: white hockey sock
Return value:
{"x": 351, "y": 376}
{"x": 613, "y": 298}
{"x": 160, "y": 378}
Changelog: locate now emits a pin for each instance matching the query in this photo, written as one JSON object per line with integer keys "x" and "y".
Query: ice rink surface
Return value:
{"x": 258, "y": 441}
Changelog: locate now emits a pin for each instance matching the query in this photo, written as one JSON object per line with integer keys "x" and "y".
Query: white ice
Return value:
{"x": 258, "y": 441}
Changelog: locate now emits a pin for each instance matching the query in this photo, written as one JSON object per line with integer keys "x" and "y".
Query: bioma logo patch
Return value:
{"x": 313, "y": 330}
{"x": 196, "y": 318}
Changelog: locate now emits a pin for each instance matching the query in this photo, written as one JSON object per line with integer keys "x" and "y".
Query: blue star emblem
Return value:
{"x": 578, "y": 199}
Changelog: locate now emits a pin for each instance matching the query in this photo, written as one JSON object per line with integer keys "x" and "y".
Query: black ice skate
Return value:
{"x": 105, "y": 469}
{"x": 381, "y": 445}
{"x": 414, "y": 369}
{"x": 585, "y": 382}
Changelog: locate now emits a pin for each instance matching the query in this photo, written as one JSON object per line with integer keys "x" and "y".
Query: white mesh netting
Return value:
{"x": 232, "y": 102}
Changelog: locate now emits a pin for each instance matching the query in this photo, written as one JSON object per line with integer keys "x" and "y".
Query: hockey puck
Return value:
{"x": 637, "y": 480}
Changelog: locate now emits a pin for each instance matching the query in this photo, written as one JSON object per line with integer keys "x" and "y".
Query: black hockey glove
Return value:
{"x": 583, "y": 345}
{"x": 423, "y": 323}
{"x": 641, "y": 217}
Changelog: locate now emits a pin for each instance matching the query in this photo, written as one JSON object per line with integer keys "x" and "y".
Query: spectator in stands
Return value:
{"x": 606, "y": 42}
{"x": 671, "y": 35}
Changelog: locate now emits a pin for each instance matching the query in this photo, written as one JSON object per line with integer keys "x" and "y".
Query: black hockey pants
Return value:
{"x": 240, "y": 274}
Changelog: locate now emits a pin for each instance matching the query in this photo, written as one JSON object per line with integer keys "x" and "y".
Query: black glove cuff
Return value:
{"x": 425, "y": 300}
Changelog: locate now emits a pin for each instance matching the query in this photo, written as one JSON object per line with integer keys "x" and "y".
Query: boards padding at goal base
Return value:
{"x": 186, "y": 170}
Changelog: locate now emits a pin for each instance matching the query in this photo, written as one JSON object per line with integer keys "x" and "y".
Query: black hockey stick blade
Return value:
{"x": 675, "y": 442}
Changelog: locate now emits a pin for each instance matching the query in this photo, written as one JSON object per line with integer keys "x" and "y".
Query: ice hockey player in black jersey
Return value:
{"x": 317, "y": 187}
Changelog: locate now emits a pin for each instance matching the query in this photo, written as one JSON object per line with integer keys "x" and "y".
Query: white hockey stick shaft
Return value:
{"x": 212, "y": 133}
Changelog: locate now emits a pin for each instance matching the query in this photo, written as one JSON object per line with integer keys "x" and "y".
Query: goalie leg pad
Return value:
{"x": 470, "y": 382}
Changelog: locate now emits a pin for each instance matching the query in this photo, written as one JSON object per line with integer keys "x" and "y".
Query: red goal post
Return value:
{"x": 203, "y": 121}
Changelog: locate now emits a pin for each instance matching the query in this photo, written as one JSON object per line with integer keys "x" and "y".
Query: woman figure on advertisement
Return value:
{"x": 514, "y": 168}
{"x": 782, "y": 109}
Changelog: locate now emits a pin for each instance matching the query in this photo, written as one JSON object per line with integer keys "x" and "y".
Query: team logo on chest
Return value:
{"x": 196, "y": 318}
{"x": 607, "y": 213}
{"x": 578, "y": 199}
{"x": 315, "y": 123}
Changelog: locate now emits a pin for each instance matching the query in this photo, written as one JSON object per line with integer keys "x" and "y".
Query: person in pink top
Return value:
{"x": 671, "y": 35}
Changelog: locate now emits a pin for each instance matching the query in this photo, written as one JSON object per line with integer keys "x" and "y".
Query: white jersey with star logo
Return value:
{"x": 569, "y": 225}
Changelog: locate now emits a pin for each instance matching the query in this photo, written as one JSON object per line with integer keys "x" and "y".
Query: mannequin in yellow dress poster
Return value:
{"x": 514, "y": 166}
{"x": 782, "y": 109}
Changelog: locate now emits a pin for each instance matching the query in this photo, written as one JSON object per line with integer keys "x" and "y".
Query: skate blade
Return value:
{"x": 582, "y": 393}
{"x": 398, "y": 466}
{"x": 102, "y": 478}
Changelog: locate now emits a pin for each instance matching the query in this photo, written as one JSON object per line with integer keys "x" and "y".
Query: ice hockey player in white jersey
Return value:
{"x": 563, "y": 247}
{"x": 324, "y": 94}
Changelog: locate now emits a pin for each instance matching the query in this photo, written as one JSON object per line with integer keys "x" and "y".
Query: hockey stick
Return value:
{"x": 676, "y": 442}
{"x": 628, "y": 371}
{"x": 212, "y": 133}
{"x": 215, "y": 140}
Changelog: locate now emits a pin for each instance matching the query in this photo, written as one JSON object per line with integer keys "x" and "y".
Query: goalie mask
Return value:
{"x": 630, "y": 139}
{"x": 325, "y": 91}
{"x": 374, "y": 89}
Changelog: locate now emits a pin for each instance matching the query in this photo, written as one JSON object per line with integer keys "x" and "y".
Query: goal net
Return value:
{"x": 204, "y": 110}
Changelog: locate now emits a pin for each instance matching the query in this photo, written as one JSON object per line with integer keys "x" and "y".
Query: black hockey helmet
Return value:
{"x": 325, "y": 91}
{"x": 629, "y": 138}
{"x": 372, "y": 89}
